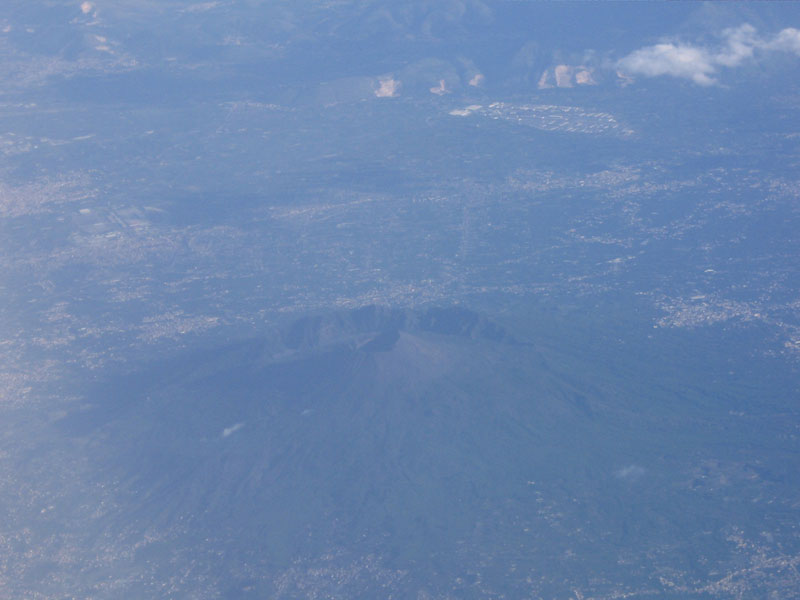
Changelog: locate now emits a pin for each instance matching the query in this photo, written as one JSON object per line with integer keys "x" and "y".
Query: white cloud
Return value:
{"x": 668, "y": 59}
{"x": 584, "y": 77}
{"x": 86, "y": 8}
{"x": 566, "y": 76}
{"x": 477, "y": 80}
{"x": 740, "y": 43}
{"x": 563, "y": 75}
{"x": 701, "y": 64}
{"x": 544, "y": 80}
{"x": 630, "y": 472}
{"x": 232, "y": 429}
{"x": 787, "y": 40}
{"x": 440, "y": 89}
{"x": 387, "y": 88}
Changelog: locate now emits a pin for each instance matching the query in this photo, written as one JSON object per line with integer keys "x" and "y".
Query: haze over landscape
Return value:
{"x": 428, "y": 300}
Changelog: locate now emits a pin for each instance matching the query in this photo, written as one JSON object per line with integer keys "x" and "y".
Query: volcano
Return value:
{"x": 390, "y": 453}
